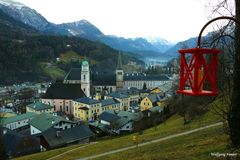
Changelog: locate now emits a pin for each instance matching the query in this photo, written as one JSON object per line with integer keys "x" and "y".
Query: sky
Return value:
{"x": 173, "y": 20}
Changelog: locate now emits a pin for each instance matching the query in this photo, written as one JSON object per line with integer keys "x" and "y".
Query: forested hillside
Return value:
{"x": 23, "y": 51}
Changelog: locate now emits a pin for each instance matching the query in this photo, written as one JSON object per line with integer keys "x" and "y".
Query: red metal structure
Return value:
{"x": 195, "y": 72}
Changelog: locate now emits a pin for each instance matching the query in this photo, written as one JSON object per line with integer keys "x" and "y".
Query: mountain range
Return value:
{"x": 28, "y": 54}
{"x": 82, "y": 29}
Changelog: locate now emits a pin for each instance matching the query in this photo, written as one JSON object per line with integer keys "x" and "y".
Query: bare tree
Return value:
{"x": 226, "y": 7}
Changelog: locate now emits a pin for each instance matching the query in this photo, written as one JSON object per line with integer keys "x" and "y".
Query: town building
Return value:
{"x": 16, "y": 144}
{"x": 110, "y": 104}
{"x": 87, "y": 109}
{"x": 99, "y": 84}
{"x": 44, "y": 121}
{"x": 18, "y": 122}
{"x": 116, "y": 122}
{"x": 54, "y": 138}
{"x": 61, "y": 95}
{"x": 152, "y": 100}
{"x": 39, "y": 107}
{"x": 137, "y": 80}
{"x": 122, "y": 98}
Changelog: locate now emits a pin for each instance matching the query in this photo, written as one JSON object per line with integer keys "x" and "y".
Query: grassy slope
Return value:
{"x": 171, "y": 126}
{"x": 194, "y": 146}
{"x": 52, "y": 71}
{"x": 71, "y": 55}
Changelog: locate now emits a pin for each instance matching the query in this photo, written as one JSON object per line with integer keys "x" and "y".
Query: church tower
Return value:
{"x": 85, "y": 78}
{"x": 119, "y": 74}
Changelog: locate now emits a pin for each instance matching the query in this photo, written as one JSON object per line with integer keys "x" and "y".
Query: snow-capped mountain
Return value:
{"x": 160, "y": 43}
{"x": 81, "y": 28}
{"x": 24, "y": 14}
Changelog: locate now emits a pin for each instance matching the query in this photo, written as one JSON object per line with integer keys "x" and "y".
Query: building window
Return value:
{"x": 67, "y": 108}
{"x": 84, "y": 77}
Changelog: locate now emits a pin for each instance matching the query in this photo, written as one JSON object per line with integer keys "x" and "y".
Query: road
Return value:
{"x": 71, "y": 151}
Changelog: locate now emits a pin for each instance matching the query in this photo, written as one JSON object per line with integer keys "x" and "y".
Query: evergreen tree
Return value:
{"x": 144, "y": 86}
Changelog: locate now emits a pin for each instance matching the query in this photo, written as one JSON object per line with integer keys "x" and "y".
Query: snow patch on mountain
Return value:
{"x": 12, "y": 3}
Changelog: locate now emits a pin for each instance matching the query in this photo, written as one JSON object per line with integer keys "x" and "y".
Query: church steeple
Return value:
{"x": 119, "y": 74}
{"x": 119, "y": 64}
{"x": 85, "y": 77}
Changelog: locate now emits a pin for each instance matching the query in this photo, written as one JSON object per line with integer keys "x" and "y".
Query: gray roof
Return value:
{"x": 60, "y": 90}
{"x": 71, "y": 135}
{"x": 104, "y": 79}
{"x": 130, "y": 115}
{"x": 39, "y": 106}
{"x": 107, "y": 102}
{"x": 108, "y": 116}
{"x": 17, "y": 118}
{"x": 156, "y": 109}
{"x": 154, "y": 97}
{"x": 12, "y": 140}
{"x": 73, "y": 74}
{"x": 87, "y": 100}
{"x": 118, "y": 95}
{"x": 141, "y": 77}
{"x": 120, "y": 118}
{"x": 131, "y": 91}
{"x": 45, "y": 121}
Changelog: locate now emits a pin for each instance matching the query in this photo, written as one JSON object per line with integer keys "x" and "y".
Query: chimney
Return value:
{"x": 57, "y": 134}
{"x": 4, "y": 131}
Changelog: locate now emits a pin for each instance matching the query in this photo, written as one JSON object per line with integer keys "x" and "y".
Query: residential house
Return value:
{"x": 116, "y": 122}
{"x": 150, "y": 101}
{"x": 87, "y": 109}
{"x": 133, "y": 94}
{"x": 6, "y": 112}
{"x": 44, "y": 121}
{"x": 122, "y": 98}
{"x": 53, "y": 138}
{"x": 111, "y": 104}
{"x": 16, "y": 144}
{"x": 153, "y": 110}
{"x": 60, "y": 96}
{"x": 156, "y": 90}
{"x": 18, "y": 122}
{"x": 39, "y": 107}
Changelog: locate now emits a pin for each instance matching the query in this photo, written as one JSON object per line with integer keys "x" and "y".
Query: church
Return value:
{"x": 92, "y": 84}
